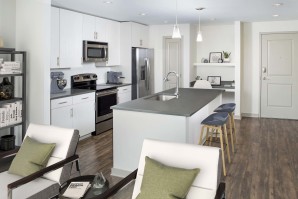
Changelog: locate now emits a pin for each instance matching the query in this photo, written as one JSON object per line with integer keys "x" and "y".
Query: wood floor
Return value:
{"x": 265, "y": 165}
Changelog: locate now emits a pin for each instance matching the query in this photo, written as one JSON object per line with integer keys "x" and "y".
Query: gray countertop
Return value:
{"x": 190, "y": 100}
{"x": 70, "y": 92}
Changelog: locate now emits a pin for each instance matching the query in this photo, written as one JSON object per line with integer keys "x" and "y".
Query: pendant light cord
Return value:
{"x": 176, "y": 13}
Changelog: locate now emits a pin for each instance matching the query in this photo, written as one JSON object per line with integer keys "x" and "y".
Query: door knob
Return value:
{"x": 264, "y": 70}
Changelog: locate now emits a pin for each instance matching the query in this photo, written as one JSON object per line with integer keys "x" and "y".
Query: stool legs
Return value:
{"x": 227, "y": 141}
{"x": 231, "y": 134}
{"x": 233, "y": 123}
{"x": 222, "y": 152}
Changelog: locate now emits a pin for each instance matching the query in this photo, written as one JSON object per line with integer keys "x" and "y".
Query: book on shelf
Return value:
{"x": 11, "y": 113}
{"x": 10, "y": 67}
{"x": 76, "y": 190}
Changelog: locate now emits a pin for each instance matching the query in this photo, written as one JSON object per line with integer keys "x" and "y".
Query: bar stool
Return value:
{"x": 229, "y": 108}
{"x": 217, "y": 122}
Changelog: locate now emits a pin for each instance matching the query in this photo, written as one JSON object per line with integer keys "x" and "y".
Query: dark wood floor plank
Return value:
{"x": 265, "y": 164}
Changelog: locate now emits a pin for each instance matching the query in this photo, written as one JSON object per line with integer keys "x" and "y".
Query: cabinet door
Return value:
{"x": 101, "y": 29}
{"x": 62, "y": 117}
{"x": 55, "y": 52}
{"x": 89, "y": 28}
{"x": 144, "y": 36}
{"x": 135, "y": 35}
{"x": 124, "y": 97}
{"x": 70, "y": 39}
{"x": 84, "y": 117}
{"x": 113, "y": 38}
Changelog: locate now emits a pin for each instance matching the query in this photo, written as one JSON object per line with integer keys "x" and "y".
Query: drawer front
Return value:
{"x": 84, "y": 98}
{"x": 61, "y": 102}
{"x": 124, "y": 89}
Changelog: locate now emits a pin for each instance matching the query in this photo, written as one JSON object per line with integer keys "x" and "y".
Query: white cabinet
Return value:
{"x": 66, "y": 38}
{"x": 76, "y": 112}
{"x": 94, "y": 28}
{"x": 70, "y": 39}
{"x": 139, "y": 35}
{"x": 113, "y": 39}
{"x": 124, "y": 94}
{"x": 55, "y": 30}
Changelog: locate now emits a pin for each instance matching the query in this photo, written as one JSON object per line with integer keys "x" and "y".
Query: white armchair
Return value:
{"x": 46, "y": 182}
{"x": 208, "y": 159}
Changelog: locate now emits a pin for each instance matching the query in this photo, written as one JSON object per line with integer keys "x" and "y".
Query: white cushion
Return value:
{"x": 25, "y": 190}
{"x": 186, "y": 156}
{"x": 51, "y": 134}
{"x": 202, "y": 84}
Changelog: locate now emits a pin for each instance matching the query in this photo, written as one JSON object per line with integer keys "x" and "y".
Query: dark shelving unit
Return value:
{"x": 12, "y": 53}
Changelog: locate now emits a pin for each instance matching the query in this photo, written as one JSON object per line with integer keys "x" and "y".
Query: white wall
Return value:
{"x": 156, "y": 35}
{"x": 8, "y": 22}
{"x": 216, "y": 38}
{"x": 33, "y": 24}
{"x": 251, "y": 61}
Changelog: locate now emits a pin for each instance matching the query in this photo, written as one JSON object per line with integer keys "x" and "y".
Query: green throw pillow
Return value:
{"x": 165, "y": 182}
{"x": 31, "y": 157}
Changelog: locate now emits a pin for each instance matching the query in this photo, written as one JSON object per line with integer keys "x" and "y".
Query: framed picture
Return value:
{"x": 214, "y": 80}
{"x": 214, "y": 57}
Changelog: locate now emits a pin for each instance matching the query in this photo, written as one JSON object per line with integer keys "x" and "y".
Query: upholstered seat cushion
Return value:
{"x": 216, "y": 119}
{"x": 36, "y": 189}
{"x": 229, "y": 108}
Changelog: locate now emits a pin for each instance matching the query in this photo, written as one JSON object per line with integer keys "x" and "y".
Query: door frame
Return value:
{"x": 164, "y": 60}
{"x": 260, "y": 63}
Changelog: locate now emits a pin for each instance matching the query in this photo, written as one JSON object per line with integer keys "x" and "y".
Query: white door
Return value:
{"x": 89, "y": 28}
{"x": 172, "y": 60}
{"x": 113, "y": 38}
{"x": 101, "y": 29}
{"x": 279, "y": 91}
{"x": 55, "y": 52}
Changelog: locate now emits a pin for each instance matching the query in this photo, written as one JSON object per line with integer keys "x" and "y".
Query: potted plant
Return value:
{"x": 226, "y": 56}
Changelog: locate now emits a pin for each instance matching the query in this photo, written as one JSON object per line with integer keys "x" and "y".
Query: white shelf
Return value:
{"x": 215, "y": 64}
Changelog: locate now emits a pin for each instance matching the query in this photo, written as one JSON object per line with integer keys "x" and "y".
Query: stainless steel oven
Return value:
{"x": 104, "y": 114}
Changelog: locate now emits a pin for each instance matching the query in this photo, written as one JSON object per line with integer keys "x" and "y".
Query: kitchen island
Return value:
{"x": 176, "y": 120}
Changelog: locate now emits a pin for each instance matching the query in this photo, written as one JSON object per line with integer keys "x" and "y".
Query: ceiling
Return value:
{"x": 163, "y": 11}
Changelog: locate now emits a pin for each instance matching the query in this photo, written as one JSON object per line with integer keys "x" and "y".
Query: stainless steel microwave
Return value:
{"x": 95, "y": 51}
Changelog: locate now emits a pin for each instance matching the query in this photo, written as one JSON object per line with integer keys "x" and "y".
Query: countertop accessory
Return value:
{"x": 58, "y": 83}
{"x": 214, "y": 80}
{"x": 114, "y": 77}
{"x": 214, "y": 57}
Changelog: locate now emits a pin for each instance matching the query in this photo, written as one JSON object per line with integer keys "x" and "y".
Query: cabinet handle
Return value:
{"x": 62, "y": 102}
{"x": 81, "y": 60}
{"x": 125, "y": 89}
{"x": 94, "y": 35}
{"x": 71, "y": 112}
{"x": 58, "y": 61}
{"x": 141, "y": 42}
{"x": 85, "y": 98}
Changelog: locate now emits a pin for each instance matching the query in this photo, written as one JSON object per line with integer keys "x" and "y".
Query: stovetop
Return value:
{"x": 98, "y": 87}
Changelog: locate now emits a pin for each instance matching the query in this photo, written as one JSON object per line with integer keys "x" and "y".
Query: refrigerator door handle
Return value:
{"x": 147, "y": 81}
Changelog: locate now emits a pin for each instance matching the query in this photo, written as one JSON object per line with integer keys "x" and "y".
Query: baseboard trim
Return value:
{"x": 119, "y": 172}
{"x": 250, "y": 115}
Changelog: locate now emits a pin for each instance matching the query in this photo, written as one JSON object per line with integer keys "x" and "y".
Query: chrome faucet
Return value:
{"x": 177, "y": 81}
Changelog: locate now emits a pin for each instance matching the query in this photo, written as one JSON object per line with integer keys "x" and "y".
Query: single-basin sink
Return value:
{"x": 161, "y": 97}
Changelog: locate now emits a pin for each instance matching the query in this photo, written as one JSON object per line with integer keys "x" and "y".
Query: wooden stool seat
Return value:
{"x": 229, "y": 108}
{"x": 217, "y": 122}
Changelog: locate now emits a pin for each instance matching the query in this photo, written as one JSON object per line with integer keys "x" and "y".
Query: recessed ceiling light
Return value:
{"x": 108, "y": 2}
{"x": 275, "y": 15}
{"x": 277, "y": 4}
{"x": 142, "y": 14}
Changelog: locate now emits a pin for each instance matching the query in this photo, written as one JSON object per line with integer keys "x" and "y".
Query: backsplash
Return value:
{"x": 101, "y": 72}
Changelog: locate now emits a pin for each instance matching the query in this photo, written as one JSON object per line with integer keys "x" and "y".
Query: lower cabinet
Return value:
{"x": 76, "y": 112}
{"x": 124, "y": 94}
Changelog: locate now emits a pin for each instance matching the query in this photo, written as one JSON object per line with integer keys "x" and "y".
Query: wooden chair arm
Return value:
{"x": 220, "y": 192}
{"x": 41, "y": 172}
{"x": 113, "y": 190}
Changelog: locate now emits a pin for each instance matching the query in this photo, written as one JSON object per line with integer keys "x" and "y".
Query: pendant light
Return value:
{"x": 176, "y": 32}
{"x": 199, "y": 36}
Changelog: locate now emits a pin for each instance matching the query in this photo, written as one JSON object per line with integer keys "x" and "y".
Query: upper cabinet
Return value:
{"x": 94, "y": 28}
{"x": 113, "y": 39}
{"x": 66, "y": 38}
{"x": 139, "y": 35}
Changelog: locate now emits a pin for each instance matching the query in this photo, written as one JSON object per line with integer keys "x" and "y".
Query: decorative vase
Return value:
{"x": 226, "y": 60}
{"x": 6, "y": 89}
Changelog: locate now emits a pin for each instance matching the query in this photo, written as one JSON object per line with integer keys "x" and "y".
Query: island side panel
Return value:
{"x": 194, "y": 122}
{"x": 131, "y": 128}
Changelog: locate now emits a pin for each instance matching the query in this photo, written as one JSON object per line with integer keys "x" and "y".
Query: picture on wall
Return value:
{"x": 214, "y": 80}
{"x": 214, "y": 57}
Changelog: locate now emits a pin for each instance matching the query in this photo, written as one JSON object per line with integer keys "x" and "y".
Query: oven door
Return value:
{"x": 95, "y": 51}
{"x": 104, "y": 101}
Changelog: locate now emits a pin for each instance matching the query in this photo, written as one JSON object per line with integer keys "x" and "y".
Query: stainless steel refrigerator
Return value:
{"x": 142, "y": 72}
